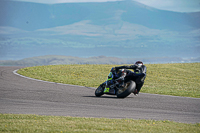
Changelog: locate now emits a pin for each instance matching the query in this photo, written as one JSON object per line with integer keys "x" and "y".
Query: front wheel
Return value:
{"x": 99, "y": 91}
{"x": 127, "y": 90}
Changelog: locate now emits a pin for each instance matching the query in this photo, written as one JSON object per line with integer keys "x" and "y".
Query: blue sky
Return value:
{"x": 171, "y": 5}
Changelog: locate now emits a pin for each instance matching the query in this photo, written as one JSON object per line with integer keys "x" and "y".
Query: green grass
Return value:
{"x": 169, "y": 79}
{"x": 57, "y": 124}
{"x": 179, "y": 79}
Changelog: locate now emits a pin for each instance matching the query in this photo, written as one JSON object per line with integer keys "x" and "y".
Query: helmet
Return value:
{"x": 139, "y": 63}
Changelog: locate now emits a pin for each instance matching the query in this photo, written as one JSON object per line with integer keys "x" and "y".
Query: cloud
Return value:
{"x": 64, "y": 1}
{"x": 170, "y": 5}
{"x": 173, "y": 5}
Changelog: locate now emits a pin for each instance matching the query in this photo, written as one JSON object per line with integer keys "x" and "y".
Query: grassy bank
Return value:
{"x": 56, "y": 124}
{"x": 181, "y": 79}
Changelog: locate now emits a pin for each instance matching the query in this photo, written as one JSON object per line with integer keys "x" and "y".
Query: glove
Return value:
{"x": 113, "y": 69}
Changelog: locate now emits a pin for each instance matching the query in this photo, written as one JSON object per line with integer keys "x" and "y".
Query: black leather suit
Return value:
{"x": 138, "y": 75}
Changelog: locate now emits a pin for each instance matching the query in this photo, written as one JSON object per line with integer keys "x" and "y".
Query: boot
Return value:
{"x": 135, "y": 92}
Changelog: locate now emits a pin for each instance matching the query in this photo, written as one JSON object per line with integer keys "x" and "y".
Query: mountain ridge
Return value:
{"x": 36, "y": 15}
{"x": 57, "y": 60}
{"x": 114, "y": 29}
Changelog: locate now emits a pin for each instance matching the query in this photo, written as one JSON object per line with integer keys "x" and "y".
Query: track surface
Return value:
{"x": 19, "y": 95}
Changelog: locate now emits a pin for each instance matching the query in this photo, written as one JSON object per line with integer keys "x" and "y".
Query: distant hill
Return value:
{"x": 56, "y": 60}
{"x": 125, "y": 29}
{"x": 33, "y": 16}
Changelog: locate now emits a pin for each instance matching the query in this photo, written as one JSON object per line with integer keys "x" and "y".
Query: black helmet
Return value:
{"x": 139, "y": 63}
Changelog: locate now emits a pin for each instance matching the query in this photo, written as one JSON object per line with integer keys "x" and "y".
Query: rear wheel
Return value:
{"x": 127, "y": 90}
{"x": 99, "y": 91}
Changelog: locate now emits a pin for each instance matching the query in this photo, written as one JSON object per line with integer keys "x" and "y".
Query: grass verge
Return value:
{"x": 57, "y": 124}
{"x": 179, "y": 79}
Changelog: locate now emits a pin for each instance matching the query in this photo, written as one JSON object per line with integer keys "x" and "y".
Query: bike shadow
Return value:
{"x": 108, "y": 96}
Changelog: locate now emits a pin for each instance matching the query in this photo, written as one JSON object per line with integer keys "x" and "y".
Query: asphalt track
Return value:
{"x": 19, "y": 95}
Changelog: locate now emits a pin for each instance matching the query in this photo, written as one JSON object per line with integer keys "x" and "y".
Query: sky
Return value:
{"x": 170, "y": 5}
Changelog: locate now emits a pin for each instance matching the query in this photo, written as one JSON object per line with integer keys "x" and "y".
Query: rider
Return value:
{"x": 138, "y": 75}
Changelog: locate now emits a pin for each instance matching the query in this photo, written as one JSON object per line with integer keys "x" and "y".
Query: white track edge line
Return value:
{"x": 15, "y": 72}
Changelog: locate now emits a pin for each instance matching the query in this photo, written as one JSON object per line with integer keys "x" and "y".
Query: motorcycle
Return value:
{"x": 120, "y": 86}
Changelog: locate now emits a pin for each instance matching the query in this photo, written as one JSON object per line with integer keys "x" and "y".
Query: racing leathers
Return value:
{"x": 138, "y": 75}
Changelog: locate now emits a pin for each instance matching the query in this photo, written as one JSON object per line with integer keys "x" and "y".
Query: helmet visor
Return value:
{"x": 139, "y": 64}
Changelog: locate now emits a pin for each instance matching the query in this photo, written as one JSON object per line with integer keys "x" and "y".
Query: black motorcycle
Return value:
{"x": 118, "y": 84}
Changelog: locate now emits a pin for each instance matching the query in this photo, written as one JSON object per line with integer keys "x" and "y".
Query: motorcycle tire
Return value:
{"x": 99, "y": 91}
{"x": 128, "y": 89}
